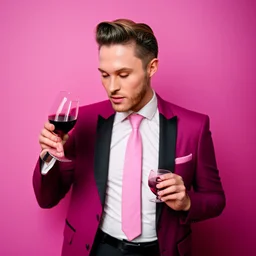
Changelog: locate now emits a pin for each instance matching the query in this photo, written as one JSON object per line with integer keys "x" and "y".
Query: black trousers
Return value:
{"x": 100, "y": 248}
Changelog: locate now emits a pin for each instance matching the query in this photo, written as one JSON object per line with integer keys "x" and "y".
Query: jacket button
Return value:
{"x": 87, "y": 247}
{"x": 98, "y": 217}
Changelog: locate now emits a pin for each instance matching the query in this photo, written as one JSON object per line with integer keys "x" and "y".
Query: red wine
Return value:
{"x": 152, "y": 185}
{"x": 61, "y": 126}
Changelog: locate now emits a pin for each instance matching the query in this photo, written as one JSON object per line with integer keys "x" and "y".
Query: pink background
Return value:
{"x": 207, "y": 63}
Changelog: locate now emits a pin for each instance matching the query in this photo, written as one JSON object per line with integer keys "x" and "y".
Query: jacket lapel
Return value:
{"x": 102, "y": 151}
{"x": 167, "y": 143}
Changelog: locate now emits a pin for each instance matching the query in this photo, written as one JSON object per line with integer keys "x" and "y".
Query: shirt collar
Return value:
{"x": 148, "y": 111}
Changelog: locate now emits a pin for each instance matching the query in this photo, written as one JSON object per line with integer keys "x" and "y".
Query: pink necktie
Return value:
{"x": 131, "y": 191}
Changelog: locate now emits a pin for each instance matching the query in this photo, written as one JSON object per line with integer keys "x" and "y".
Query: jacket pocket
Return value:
{"x": 183, "y": 159}
{"x": 185, "y": 246}
{"x": 68, "y": 233}
{"x": 186, "y": 171}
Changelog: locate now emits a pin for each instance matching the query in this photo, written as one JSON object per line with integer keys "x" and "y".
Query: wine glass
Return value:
{"x": 153, "y": 180}
{"x": 63, "y": 116}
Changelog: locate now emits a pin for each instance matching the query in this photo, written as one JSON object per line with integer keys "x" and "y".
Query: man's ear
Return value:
{"x": 152, "y": 67}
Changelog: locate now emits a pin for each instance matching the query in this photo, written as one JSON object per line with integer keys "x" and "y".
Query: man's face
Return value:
{"x": 124, "y": 78}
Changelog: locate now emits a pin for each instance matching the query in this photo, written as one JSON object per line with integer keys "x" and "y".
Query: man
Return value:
{"x": 171, "y": 137}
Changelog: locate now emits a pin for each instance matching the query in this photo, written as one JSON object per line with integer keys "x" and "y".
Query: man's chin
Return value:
{"x": 119, "y": 107}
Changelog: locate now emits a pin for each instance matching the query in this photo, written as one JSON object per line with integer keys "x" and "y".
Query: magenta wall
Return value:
{"x": 207, "y": 63}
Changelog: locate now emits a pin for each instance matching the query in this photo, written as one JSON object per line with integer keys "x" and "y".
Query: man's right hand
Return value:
{"x": 49, "y": 140}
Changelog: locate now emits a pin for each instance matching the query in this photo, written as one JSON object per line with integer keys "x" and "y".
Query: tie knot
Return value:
{"x": 135, "y": 120}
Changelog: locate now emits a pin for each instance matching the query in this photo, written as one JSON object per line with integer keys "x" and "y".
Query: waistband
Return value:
{"x": 146, "y": 248}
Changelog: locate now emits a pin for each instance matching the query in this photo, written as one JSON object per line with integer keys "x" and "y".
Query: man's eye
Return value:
{"x": 123, "y": 75}
{"x": 104, "y": 75}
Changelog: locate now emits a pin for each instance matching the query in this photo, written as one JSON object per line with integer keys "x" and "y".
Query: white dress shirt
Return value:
{"x": 122, "y": 129}
{"x": 149, "y": 129}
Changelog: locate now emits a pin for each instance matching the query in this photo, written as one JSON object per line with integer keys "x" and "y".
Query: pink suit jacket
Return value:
{"x": 185, "y": 147}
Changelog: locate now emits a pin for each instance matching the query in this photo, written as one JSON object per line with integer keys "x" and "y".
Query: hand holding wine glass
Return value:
{"x": 169, "y": 188}
{"x": 49, "y": 140}
{"x": 153, "y": 180}
{"x": 62, "y": 118}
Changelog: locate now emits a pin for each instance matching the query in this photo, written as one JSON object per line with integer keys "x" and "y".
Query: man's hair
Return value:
{"x": 124, "y": 31}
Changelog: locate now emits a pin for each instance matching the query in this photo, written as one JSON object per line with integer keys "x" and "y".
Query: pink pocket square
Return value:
{"x": 183, "y": 159}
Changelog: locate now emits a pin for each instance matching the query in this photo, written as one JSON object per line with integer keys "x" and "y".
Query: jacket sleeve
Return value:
{"x": 207, "y": 197}
{"x": 51, "y": 188}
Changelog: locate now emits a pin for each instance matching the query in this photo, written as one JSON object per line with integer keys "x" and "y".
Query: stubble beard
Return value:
{"x": 135, "y": 101}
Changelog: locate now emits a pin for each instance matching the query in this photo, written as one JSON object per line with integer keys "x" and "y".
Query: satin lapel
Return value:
{"x": 102, "y": 150}
{"x": 167, "y": 148}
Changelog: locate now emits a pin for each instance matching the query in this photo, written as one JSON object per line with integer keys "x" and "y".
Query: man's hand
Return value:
{"x": 172, "y": 191}
{"x": 49, "y": 140}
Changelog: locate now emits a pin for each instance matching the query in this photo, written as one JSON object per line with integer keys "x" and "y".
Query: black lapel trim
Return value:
{"x": 102, "y": 150}
{"x": 167, "y": 149}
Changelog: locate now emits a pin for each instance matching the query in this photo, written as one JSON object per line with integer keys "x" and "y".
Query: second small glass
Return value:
{"x": 153, "y": 180}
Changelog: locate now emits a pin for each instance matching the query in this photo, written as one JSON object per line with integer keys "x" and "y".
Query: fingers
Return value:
{"x": 173, "y": 192}
{"x": 49, "y": 135}
{"x": 47, "y": 143}
{"x": 181, "y": 196}
{"x": 47, "y": 139}
{"x": 171, "y": 187}
{"x": 169, "y": 179}
{"x": 48, "y": 126}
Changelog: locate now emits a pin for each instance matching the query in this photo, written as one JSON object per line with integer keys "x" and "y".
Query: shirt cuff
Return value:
{"x": 46, "y": 167}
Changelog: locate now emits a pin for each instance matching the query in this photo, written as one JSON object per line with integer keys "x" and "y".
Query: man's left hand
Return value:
{"x": 172, "y": 191}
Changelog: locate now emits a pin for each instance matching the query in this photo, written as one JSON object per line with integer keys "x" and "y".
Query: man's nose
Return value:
{"x": 114, "y": 85}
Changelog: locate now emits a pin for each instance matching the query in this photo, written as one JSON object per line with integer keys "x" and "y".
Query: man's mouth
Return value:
{"x": 117, "y": 99}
